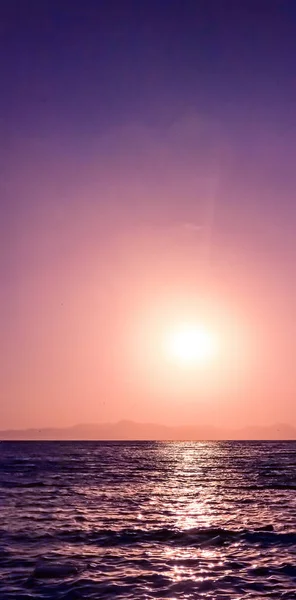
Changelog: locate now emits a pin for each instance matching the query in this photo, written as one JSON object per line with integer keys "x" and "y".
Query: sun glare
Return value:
{"x": 191, "y": 345}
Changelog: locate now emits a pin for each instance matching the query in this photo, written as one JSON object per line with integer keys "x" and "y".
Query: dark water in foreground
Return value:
{"x": 147, "y": 520}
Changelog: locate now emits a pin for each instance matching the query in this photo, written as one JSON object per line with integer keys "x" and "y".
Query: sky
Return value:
{"x": 147, "y": 178}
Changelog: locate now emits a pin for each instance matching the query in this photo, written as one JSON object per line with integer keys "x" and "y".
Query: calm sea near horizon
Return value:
{"x": 91, "y": 520}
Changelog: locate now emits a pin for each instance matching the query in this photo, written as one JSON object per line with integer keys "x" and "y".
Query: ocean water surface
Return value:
{"x": 91, "y": 520}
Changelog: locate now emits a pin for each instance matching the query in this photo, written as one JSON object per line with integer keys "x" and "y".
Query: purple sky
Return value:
{"x": 147, "y": 153}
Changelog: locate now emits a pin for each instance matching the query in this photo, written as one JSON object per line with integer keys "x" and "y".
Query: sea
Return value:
{"x": 192, "y": 520}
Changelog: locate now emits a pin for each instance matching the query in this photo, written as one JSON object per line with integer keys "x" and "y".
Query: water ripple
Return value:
{"x": 93, "y": 520}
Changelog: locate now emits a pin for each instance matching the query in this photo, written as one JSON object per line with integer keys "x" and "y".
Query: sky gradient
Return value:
{"x": 147, "y": 176}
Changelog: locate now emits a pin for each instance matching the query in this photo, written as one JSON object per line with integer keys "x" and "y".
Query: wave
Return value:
{"x": 20, "y": 484}
{"x": 263, "y": 536}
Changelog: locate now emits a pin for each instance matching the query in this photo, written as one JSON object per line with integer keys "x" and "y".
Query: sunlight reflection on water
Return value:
{"x": 148, "y": 520}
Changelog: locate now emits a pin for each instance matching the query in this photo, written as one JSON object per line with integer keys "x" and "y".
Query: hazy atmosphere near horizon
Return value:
{"x": 147, "y": 213}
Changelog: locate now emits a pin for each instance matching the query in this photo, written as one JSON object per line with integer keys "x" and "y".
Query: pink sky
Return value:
{"x": 142, "y": 237}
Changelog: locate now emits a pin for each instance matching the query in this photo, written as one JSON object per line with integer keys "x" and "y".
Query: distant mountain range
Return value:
{"x": 129, "y": 430}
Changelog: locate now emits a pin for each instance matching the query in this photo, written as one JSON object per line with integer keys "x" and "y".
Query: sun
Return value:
{"x": 191, "y": 345}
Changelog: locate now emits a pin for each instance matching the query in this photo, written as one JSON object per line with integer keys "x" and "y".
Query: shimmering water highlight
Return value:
{"x": 89, "y": 520}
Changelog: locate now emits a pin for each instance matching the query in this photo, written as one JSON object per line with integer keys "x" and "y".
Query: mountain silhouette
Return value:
{"x": 130, "y": 430}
